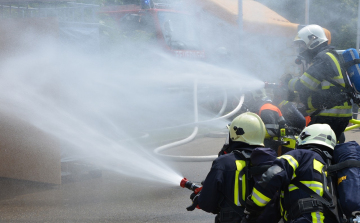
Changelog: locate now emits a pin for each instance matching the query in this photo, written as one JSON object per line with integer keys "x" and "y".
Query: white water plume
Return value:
{"x": 98, "y": 105}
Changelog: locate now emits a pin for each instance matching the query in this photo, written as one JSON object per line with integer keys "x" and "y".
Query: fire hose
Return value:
{"x": 193, "y": 134}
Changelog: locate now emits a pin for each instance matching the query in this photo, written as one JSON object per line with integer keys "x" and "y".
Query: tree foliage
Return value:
{"x": 338, "y": 16}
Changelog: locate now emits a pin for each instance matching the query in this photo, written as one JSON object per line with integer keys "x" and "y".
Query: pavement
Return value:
{"x": 113, "y": 197}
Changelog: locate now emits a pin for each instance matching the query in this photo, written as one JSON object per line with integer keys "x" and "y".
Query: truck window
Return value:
{"x": 179, "y": 30}
{"x": 138, "y": 26}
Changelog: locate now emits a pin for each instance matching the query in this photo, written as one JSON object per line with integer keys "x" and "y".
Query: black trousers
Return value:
{"x": 337, "y": 124}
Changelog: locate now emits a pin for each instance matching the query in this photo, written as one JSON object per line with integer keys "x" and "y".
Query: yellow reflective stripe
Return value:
{"x": 292, "y": 161}
{"x": 244, "y": 187}
{"x": 258, "y": 198}
{"x": 284, "y": 102}
{"x": 292, "y": 143}
{"x": 337, "y": 111}
{"x": 267, "y": 135}
{"x": 309, "y": 81}
{"x": 317, "y": 217}
{"x": 315, "y": 186}
{"x": 326, "y": 84}
{"x": 339, "y": 78}
{"x": 240, "y": 164}
{"x": 285, "y": 216}
{"x": 318, "y": 166}
{"x": 291, "y": 84}
{"x": 335, "y": 115}
{"x": 336, "y": 62}
{"x": 310, "y": 106}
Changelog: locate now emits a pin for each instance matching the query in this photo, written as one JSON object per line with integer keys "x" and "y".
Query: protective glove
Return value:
{"x": 251, "y": 209}
{"x": 249, "y": 219}
{"x": 194, "y": 198}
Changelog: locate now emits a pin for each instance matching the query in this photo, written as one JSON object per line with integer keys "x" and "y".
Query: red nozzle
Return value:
{"x": 183, "y": 182}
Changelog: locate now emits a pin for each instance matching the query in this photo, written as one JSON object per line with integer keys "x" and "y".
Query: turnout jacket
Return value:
{"x": 301, "y": 165}
{"x": 227, "y": 183}
{"x": 221, "y": 182}
{"x": 316, "y": 92}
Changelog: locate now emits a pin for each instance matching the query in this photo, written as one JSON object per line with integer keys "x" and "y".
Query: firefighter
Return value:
{"x": 284, "y": 99}
{"x": 258, "y": 102}
{"x": 227, "y": 184}
{"x": 325, "y": 102}
{"x": 293, "y": 174}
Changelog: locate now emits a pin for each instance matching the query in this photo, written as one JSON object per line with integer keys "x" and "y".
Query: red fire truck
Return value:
{"x": 171, "y": 27}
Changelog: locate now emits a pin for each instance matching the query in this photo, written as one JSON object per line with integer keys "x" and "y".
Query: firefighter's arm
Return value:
{"x": 279, "y": 174}
{"x": 304, "y": 83}
{"x": 262, "y": 193}
{"x": 209, "y": 197}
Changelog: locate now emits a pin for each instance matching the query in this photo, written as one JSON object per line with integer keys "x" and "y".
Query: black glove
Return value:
{"x": 249, "y": 219}
{"x": 251, "y": 208}
{"x": 194, "y": 198}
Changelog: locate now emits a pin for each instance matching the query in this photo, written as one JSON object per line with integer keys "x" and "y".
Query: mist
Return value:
{"x": 103, "y": 107}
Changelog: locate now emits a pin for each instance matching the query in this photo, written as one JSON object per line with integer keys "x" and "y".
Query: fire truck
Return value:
{"x": 170, "y": 26}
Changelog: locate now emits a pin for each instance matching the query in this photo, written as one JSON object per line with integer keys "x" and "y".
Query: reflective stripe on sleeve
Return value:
{"x": 309, "y": 81}
{"x": 292, "y": 162}
{"x": 258, "y": 198}
{"x": 291, "y": 84}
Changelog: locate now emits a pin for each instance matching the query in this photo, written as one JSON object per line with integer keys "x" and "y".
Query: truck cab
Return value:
{"x": 169, "y": 26}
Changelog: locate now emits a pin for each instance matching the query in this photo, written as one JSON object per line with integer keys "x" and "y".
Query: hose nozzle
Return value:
{"x": 190, "y": 185}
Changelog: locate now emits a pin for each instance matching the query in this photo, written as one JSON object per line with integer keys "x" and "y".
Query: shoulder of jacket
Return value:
{"x": 298, "y": 154}
{"x": 306, "y": 154}
{"x": 224, "y": 159}
{"x": 324, "y": 54}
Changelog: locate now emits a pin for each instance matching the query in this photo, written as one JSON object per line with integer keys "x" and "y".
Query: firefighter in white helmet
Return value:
{"x": 306, "y": 189}
{"x": 225, "y": 187}
{"x": 321, "y": 87}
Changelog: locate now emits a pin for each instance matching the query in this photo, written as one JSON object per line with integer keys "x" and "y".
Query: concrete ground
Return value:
{"x": 112, "y": 197}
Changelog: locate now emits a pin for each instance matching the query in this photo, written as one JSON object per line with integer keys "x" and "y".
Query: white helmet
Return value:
{"x": 319, "y": 134}
{"x": 248, "y": 128}
{"x": 310, "y": 37}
